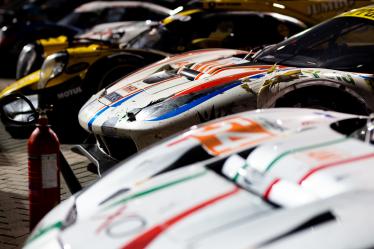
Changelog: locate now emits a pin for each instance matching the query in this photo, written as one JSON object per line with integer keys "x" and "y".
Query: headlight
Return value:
{"x": 26, "y": 59}
{"x": 52, "y": 67}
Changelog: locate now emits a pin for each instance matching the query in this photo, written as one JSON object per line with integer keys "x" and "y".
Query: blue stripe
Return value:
{"x": 257, "y": 76}
{"x": 107, "y": 107}
{"x": 195, "y": 102}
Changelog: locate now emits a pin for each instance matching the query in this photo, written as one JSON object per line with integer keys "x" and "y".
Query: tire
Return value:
{"x": 107, "y": 72}
{"x": 325, "y": 98}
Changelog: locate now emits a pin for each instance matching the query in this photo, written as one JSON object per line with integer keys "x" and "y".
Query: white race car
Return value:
{"x": 329, "y": 66}
{"x": 272, "y": 178}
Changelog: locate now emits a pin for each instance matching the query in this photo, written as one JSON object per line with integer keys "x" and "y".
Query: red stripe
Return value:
{"x": 329, "y": 165}
{"x": 214, "y": 83}
{"x": 178, "y": 141}
{"x": 270, "y": 187}
{"x": 144, "y": 239}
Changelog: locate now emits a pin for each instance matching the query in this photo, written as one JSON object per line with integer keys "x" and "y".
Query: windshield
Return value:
{"x": 344, "y": 43}
{"x": 162, "y": 39}
{"x": 82, "y": 20}
{"x": 87, "y": 19}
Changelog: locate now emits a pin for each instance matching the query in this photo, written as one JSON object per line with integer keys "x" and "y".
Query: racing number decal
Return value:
{"x": 231, "y": 135}
{"x": 126, "y": 226}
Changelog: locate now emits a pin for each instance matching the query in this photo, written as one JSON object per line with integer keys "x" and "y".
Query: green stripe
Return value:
{"x": 272, "y": 163}
{"x": 157, "y": 188}
{"x": 59, "y": 224}
{"x": 44, "y": 230}
{"x": 246, "y": 165}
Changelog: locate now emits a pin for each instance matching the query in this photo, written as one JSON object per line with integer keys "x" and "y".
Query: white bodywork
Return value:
{"x": 126, "y": 31}
{"x": 133, "y": 108}
{"x": 98, "y": 5}
{"x": 276, "y": 178}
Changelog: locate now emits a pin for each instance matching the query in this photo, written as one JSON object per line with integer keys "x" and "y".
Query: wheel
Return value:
{"x": 106, "y": 72}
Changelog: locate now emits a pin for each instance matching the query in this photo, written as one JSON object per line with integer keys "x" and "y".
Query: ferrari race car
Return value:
{"x": 329, "y": 66}
{"x": 275, "y": 178}
{"x": 68, "y": 78}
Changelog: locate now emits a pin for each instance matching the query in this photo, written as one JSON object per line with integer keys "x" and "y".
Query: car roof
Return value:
{"x": 96, "y": 5}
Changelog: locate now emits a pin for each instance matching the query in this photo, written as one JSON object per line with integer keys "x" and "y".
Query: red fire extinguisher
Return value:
{"x": 44, "y": 170}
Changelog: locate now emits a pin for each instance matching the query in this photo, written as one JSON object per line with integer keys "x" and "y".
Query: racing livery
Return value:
{"x": 190, "y": 88}
{"x": 275, "y": 178}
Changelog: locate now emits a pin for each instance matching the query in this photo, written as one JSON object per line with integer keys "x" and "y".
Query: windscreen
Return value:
{"x": 343, "y": 43}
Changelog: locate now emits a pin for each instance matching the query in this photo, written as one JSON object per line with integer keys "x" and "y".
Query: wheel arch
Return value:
{"x": 326, "y": 90}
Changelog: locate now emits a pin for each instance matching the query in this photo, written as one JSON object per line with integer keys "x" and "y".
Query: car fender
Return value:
{"x": 28, "y": 81}
{"x": 359, "y": 86}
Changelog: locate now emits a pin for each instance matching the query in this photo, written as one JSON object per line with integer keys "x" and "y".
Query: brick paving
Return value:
{"x": 14, "y": 188}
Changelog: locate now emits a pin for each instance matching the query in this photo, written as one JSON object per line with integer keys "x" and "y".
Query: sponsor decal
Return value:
{"x": 69, "y": 93}
{"x": 129, "y": 88}
{"x": 126, "y": 226}
{"x": 331, "y": 6}
{"x": 367, "y": 13}
{"x": 113, "y": 97}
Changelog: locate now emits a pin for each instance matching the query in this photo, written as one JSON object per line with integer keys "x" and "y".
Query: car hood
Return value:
{"x": 189, "y": 72}
{"x": 309, "y": 177}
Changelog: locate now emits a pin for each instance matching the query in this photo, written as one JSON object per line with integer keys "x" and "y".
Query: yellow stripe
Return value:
{"x": 172, "y": 18}
{"x": 367, "y": 13}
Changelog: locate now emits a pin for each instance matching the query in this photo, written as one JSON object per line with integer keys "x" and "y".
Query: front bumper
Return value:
{"x": 101, "y": 162}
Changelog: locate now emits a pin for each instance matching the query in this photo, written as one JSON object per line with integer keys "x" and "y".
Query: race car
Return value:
{"x": 272, "y": 178}
{"x": 85, "y": 18}
{"x": 329, "y": 66}
{"x": 68, "y": 78}
{"x": 19, "y": 32}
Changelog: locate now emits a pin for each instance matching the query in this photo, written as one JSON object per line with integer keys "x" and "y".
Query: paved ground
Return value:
{"x": 14, "y": 190}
